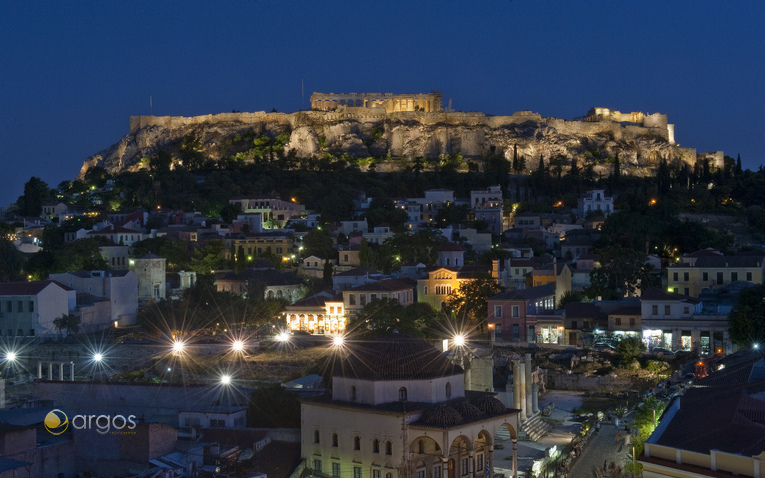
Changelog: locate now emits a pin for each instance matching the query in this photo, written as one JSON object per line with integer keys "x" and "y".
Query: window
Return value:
{"x": 356, "y": 472}
{"x": 375, "y": 446}
{"x": 317, "y": 464}
{"x": 402, "y": 394}
{"x": 674, "y": 290}
{"x": 334, "y": 440}
{"x": 573, "y": 324}
{"x": 20, "y": 332}
{"x": 336, "y": 470}
{"x": 733, "y": 277}
{"x": 388, "y": 448}
{"x": 464, "y": 466}
{"x": 353, "y": 393}
{"x": 686, "y": 291}
{"x": 618, "y": 321}
{"x": 479, "y": 462}
{"x": 215, "y": 423}
{"x": 675, "y": 276}
{"x": 425, "y": 290}
{"x": 356, "y": 442}
{"x": 316, "y": 436}
{"x": 351, "y": 299}
{"x": 362, "y": 299}
{"x": 705, "y": 276}
{"x": 420, "y": 447}
{"x": 666, "y": 310}
{"x": 749, "y": 277}
{"x": 437, "y": 470}
{"x": 8, "y": 307}
{"x": 376, "y": 474}
{"x": 686, "y": 276}
{"x": 654, "y": 310}
{"x": 420, "y": 474}
{"x": 516, "y": 312}
{"x": 686, "y": 310}
{"x": 532, "y": 334}
{"x": 516, "y": 332}
{"x": 497, "y": 311}
{"x": 448, "y": 389}
{"x": 332, "y": 310}
{"x": 20, "y": 306}
{"x": 31, "y": 306}
{"x": 632, "y": 321}
{"x": 719, "y": 278}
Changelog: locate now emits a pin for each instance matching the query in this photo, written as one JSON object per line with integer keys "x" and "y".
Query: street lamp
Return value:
{"x": 338, "y": 340}
{"x": 459, "y": 340}
{"x": 225, "y": 379}
{"x": 97, "y": 357}
{"x": 237, "y": 346}
{"x": 11, "y": 357}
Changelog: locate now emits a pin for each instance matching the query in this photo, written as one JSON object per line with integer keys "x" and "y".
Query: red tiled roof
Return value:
{"x": 450, "y": 246}
{"x": 395, "y": 357}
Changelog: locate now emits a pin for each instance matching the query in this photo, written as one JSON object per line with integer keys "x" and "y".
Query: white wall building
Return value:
{"x": 120, "y": 288}
{"x": 29, "y": 308}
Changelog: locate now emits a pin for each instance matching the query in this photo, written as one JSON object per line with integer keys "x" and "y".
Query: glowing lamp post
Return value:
{"x": 98, "y": 357}
{"x": 11, "y": 357}
{"x": 338, "y": 340}
{"x": 225, "y": 379}
{"x": 237, "y": 346}
{"x": 178, "y": 347}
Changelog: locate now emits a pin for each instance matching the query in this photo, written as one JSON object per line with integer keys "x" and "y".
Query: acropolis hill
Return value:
{"x": 409, "y": 126}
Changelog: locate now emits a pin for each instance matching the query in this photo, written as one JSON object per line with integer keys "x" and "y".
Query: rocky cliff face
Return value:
{"x": 404, "y": 135}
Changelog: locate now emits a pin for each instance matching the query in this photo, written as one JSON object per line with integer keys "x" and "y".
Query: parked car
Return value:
{"x": 660, "y": 351}
{"x": 604, "y": 347}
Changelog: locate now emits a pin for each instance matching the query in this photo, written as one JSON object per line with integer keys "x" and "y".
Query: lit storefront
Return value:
{"x": 321, "y": 314}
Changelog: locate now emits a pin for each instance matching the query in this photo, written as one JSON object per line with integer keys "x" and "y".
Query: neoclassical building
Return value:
{"x": 399, "y": 408}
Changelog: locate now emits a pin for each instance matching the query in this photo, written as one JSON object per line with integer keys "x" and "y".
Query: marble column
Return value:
{"x": 471, "y": 464}
{"x": 444, "y": 467}
{"x": 61, "y": 371}
{"x": 522, "y": 390}
{"x": 515, "y": 458}
{"x": 517, "y": 384}
{"x": 39, "y": 370}
{"x": 50, "y": 370}
{"x": 72, "y": 370}
{"x": 527, "y": 383}
{"x": 535, "y": 397}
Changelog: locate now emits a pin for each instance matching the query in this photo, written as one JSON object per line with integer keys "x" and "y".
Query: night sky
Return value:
{"x": 73, "y": 72}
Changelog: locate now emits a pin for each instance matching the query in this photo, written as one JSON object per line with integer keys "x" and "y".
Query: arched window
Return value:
{"x": 401, "y": 394}
{"x": 448, "y": 389}
{"x": 353, "y": 393}
{"x": 420, "y": 447}
{"x": 334, "y": 439}
{"x": 375, "y": 446}
{"x": 316, "y": 436}
{"x": 388, "y": 448}
{"x": 356, "y": 442}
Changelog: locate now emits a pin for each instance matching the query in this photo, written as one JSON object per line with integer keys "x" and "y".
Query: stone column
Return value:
{"x": 491, "y": 460}
{"x": 471, "y": 464}
{"x": 515, "y": 458}
{"x": 535, "y": 397}
{"x": 516, "y": 384}
{"x": 72, "y": 370}
{"x": 444, "y": 467}
{"x": 39, "y": 370}
{"x": 522, "y": 390}
{"x": 529, "y": 410}
{"x": 50, "y": 370}
{"x": 61, "y": 371}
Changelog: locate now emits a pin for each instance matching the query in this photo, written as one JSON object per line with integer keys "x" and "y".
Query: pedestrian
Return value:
{"x": 617, "y": 422}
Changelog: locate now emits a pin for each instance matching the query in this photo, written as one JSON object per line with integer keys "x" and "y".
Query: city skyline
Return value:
{"x": 74, "y": 75}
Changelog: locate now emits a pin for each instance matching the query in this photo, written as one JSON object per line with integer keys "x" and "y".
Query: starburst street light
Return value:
{"x": 338, "y": 340}
{"x": 225, "y": 379}
{"x": 282, "y": 336}
{"x": 459, "y": 340}
{"x": 11, "y": 356}
{"x": 97, "y": 357}
{"x": 178, "y": 347}
{"x": 237, "y": 346}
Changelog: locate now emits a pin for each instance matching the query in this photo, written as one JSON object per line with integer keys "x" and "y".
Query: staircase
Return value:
{"x": 535, "y": 428}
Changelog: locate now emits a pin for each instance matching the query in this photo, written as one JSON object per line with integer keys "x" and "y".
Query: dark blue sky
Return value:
{"x": 71, "y": 73}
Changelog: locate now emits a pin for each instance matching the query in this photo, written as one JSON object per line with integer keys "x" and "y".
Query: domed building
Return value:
{"x": 399, "y": 408}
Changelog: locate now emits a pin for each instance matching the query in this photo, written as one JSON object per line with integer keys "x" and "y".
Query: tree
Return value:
{"x": 11, "y": 261}
{"x": 629, "y": 349}
{"x": 622, "y": 273}
{"x": 67, "y": 322}
{"x": 469, "y": 301}
{"x": 381, "y": 316}
{"x": 746, "y": 321}
{"x": 318, "y": 242}
{"x": 208, "y": 258}
{"x": 36, "y": 193}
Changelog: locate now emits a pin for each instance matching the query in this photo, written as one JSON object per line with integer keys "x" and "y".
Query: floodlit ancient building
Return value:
{"x": 427, "y": 102}
{"x": 399, "y": 408}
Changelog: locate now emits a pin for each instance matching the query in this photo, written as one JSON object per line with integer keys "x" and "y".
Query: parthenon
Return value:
{"x": 427, "y": 102}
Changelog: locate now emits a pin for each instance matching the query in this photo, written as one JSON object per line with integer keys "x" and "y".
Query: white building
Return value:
{"x": 595, "y": 200}
{"x": 399, "y": 408}
{"x": 150, "y": 270}
{"x": 120, "y": 288}
{"x": 29, "y": 308}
